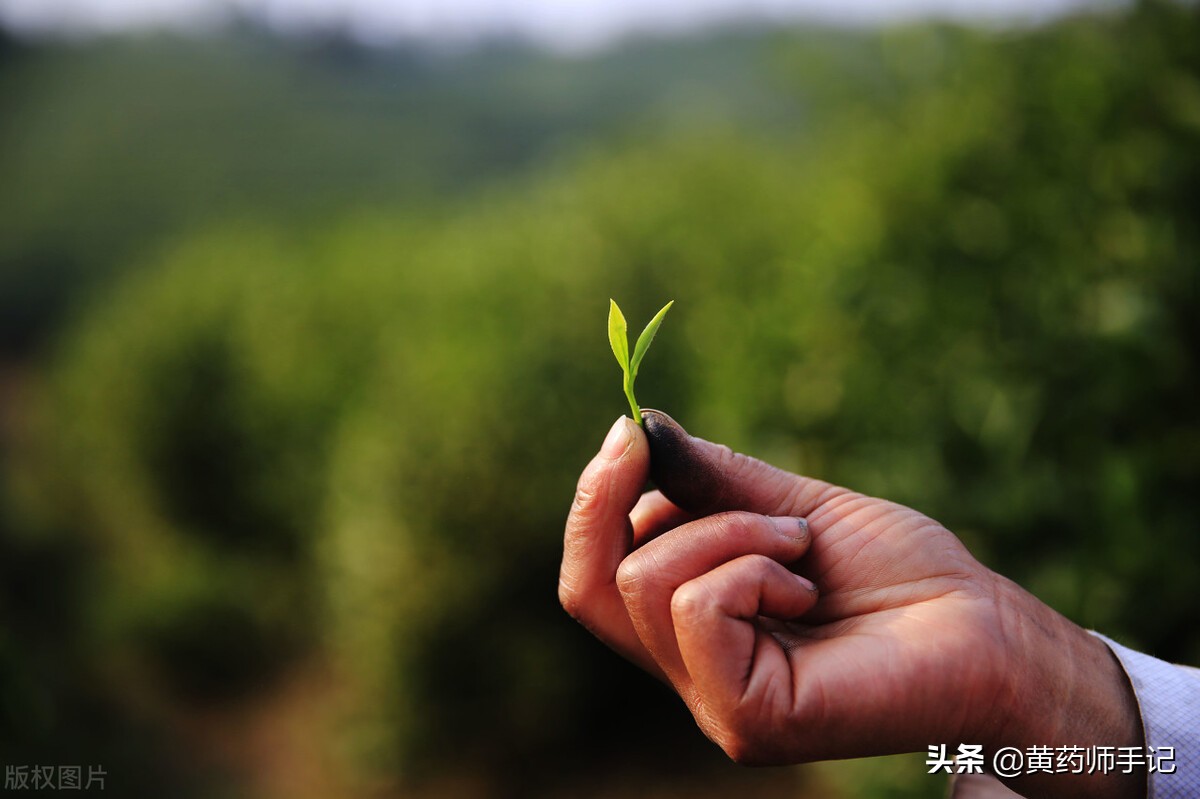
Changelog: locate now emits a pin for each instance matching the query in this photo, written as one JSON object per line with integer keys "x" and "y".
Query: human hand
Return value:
{"x": 911, "y": 641}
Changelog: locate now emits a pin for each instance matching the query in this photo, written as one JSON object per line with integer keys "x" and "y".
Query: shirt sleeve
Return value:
{"x": 1169, "y": 699}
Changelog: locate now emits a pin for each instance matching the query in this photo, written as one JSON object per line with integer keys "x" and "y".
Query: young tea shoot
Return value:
{"x": 618, "y": 337}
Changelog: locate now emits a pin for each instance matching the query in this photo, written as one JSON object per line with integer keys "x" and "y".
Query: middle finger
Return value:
{"x": 649, "y": 576}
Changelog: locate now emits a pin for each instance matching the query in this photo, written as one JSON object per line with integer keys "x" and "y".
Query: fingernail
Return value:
{"x": 804, "y": 581}
{"x": 617, "y": 440}
{"x": 791, "y": 526}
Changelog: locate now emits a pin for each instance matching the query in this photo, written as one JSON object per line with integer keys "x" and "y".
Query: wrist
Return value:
{"x": 1060, "y": 687}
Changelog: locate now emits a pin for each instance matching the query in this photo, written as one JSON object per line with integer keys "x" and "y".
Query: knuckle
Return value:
{"x": 690, "y": 601}
{"x": 588, "y": 493}
{"x": 761, "y": 569}
{"x": 725, "y": 457}
{"x": 740, "y": 747}
{"x": 738, "y": 465}
{"x": 738, "y": 751}
{"x": 631, "y": 576}
{"x": 748, "y": 735}
{"x": 742, "y": 734}
{"x": 570, "y": 600}
{"x": 750, "y": 756}
{"x": 737, "y": 524}
{"x": 746, "y": 747}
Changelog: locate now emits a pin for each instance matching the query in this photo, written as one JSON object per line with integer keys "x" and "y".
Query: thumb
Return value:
{"x": 704, "y": 478}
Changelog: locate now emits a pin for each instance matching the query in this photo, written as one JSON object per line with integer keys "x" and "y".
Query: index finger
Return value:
{"x": 599, "y": 535}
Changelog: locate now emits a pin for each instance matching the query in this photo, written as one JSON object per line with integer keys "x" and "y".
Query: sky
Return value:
{"x": 560, "y": 24}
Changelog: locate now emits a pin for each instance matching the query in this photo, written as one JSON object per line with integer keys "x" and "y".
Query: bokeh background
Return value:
{"x": 302, "y": 347}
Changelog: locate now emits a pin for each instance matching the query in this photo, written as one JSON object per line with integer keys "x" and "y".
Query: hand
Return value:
{"x": 711, "y": 583}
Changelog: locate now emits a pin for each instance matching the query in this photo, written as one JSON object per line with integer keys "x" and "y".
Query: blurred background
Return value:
{"x": 302, "y": 348}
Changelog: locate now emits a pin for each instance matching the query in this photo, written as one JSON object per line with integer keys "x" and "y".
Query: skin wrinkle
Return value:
{"x": 855, "y": 501}
{"x": 1007, "y": 694}
{"x": 685, "y": 612}
{"x": 688, "y": 610}
{"x": 752, "y": 694}
{"x": 1001, "y": 695}
{"x": 809, "y": 701}
{"x": 572, "y": 585}
{"x": 896, "y": 680}
{"x": 799, "y": 677}
{"x": 633, "y": 570}
{"x": 654, "y": 561}
{"x": 705, "y": 720}
{"x": 1064, "y": 705}
{"x": 748, "y": 675}
{"x": 1053, "y": 695}
{"x": 631, "y": 577}
{"x": 755, "y": 699}
{"x": 1069, "y": 691}
{"x": 843, "y": 556}
{"x": 906, "y": 616}
{"x": 832, "y": 504}
{"x": 799, "y": 498}
{"x": 591, "y": 494}
{"x": 861, "y": 535}
{"x": 855, "y": 545}
{"x": 737, "y": 525}
{"x": 841, "y": 598}
{"x": 776, "y": 685}
{"x": 702, "y": 481}
{"x": 725, "y": 461}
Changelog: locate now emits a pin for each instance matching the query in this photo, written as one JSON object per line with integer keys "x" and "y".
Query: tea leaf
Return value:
{"x": 618, "y": 338}
{"x": 644, "y": 340}
{"x": 617, "y": 335}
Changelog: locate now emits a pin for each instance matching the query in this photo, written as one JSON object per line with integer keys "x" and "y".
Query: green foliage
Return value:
{"x": 618, "y": 338}
{"x": 968, "y": 284}
{"x": 113, "y": 148}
